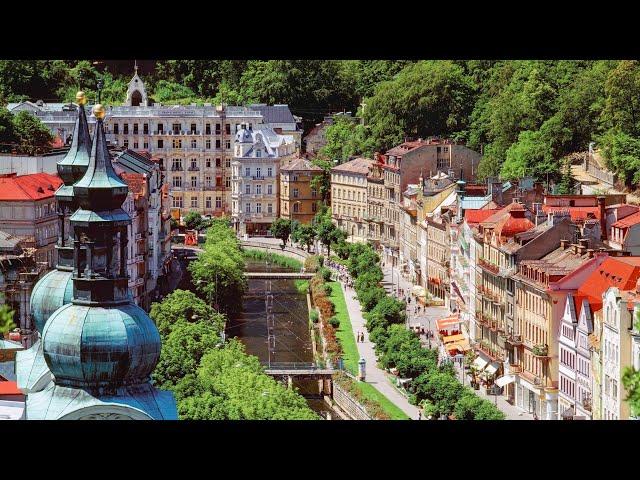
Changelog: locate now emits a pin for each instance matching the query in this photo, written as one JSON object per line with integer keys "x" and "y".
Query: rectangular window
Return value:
{"x": 314, "y": 207}
{"x": 146, "y": 145}
{"x": 227, "y": 182}
{"x": 218, "y": 163}
{"x": 258, "y": 189}
{"x": 125, "y": 144}
{"x": 125, "y": 129}
{"x": 116, "y": 128}
{"x": 208, "y": 202}
{"x": 194, "y": 202}
{"x": 217, "y": 129}
{"x": 296, "y": 207}
{"x": 269, "y": 189}
{"x": 247, "y": 208}
{"x": 194, "y": 182}
{"x": 227, "y": 144}
{"x": 177, "y": 143}
{"x": 217, "y": 143}
{"x": 218, "y": 202}
{"x": 313, "y": 192}
{"x": 258, "y": 207}
{"x": 207, "y": 162}
{"x": 145, "y": 128}
{"x": 227, "y": 128}
{"x": 247, "y": 189}
{"x": 269, "y": 208}
{"x": 194, "y": 143}
{"x": 207, "y": 181}
{"x": 176, "y": 128}
{"x": 177, "y": 202}
{"x": 247, "y": 171}
{"x": 160, "y": 144}
{"x": 207, "y": 144}
{"x": 228, "y": 163}
{"x": 207, "y": 129}
{"x": 258, "y": 171}
{"x": 193, "y": 128}
{"x": 295, "y": 193}
{"x": 177, "y": 182}
{"x": 135, "y": 145}
{"x": 269, "y": 171}
{"x": 135, "y": 129}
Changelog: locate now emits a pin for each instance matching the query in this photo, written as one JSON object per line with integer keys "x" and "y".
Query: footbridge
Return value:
{"x": 278, "y": 275}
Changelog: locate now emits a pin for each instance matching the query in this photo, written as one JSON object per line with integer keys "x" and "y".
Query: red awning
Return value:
{"x": 448, "y": 322}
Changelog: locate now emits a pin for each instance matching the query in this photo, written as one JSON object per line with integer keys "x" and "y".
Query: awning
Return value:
{"x": 419, "y": 291}
{"x": 505, "y": 380}
{"x": 480, "y": 363}
{"x": 462, "y": 346}
{"x": 452, "y": 338}
{"x": 492, "y": 368}
{"x": 448, "y": 322}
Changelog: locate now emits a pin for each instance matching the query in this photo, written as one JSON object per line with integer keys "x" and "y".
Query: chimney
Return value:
{"x": 603, "y": 219}
{"x": 590, "y": 252}
{"x": 564, "y": 243}
{"x": 584, "y": 242}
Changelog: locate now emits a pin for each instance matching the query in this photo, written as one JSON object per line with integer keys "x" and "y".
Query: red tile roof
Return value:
{"x": 36, "y": 186}
{"x": 135, "y": 182}
{"x": 629, "y": 221}
{"x": 620, "y": 272}
{"x": 406, "y": 147}
{"x": 477, "y": 216}
{"x": 577, "y": 213}
{"x": 357, "y": 165}
{"x": 9, "y": 388}
{"x": 509, "y": 220}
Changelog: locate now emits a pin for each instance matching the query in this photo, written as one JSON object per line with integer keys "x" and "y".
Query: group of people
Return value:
{"x": 342, "y": 274}
{"x": 360, "y": 337}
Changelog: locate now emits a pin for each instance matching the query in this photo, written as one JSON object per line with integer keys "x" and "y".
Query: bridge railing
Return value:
{"x": 290, "y": 366}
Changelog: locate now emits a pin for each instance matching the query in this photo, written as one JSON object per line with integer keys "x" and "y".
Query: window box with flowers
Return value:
{"x": 540, "y": 350}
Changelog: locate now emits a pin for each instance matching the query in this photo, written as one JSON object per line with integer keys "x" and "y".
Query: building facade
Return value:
{"x": 28, "y": 211}
{"x": 298, "y": 197}
{"x": 255, "y": 178}
{"x": 349, "y": 202}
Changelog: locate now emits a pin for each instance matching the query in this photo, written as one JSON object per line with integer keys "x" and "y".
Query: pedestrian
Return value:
{"x": 358, "y": 336}
{"x": 419, "y": 414}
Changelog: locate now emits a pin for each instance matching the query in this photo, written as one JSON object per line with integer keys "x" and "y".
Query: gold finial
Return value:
{"x": 81, "y": 98}
{"x": 99, "y": 111}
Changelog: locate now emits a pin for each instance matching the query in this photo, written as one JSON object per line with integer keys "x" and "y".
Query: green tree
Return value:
{"x": 322, "y": 183}
{"x": 193, "y": 220}
{"x": 281, "y": 228}
{"x": 567, "y": 182}
{"x": 182, "y": 350}
{"x": 6, "y": 319}
{"x": 235, "y": 387}
{"x": 182, "y": 306}
{"x": 622, "y": 91}
{"x": 304, "y": 234}
{"x": 31, "y": 134}
{"x": 7, "y": 135}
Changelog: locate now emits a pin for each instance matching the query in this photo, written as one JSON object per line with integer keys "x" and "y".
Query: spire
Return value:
{"x": 100, "y": 189}
{"x": 73, "y": 166}
{"x": 135, "y": 67}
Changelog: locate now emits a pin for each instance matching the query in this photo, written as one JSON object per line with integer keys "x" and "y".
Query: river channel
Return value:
{"x": 291, "y": 342}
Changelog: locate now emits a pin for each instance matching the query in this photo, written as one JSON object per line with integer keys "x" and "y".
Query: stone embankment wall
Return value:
{"x": 348, "y": 404}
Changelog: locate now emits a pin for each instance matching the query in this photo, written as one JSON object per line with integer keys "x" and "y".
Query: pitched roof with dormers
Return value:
{"x": 35, "y": 186}
{"x": 620, "y": 272}
{"x": 357, "y": 165}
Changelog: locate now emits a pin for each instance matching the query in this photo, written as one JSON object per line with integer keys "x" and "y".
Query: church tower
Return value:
{"x": 136, "y": 93}
{"x": 55, "y": 289}
{"x": 101, "y": 348}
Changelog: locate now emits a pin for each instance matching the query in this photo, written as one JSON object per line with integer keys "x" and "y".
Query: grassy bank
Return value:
{"x": 344, "y": 332}
{"x": 275, "y": 258}
{"x": 390, "y": 408}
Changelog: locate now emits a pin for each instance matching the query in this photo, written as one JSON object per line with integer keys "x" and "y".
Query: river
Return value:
{"x": 292, "y": 339}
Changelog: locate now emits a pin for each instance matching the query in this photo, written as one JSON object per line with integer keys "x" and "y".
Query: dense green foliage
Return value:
{"x": 218, "y": 272}
{"x": 6, "y": 319}
{"x": 281, "y": 228}
{"x": 182, "y": 306}
{"x": 23, "y": 133}
{"x": 272, "y": 258}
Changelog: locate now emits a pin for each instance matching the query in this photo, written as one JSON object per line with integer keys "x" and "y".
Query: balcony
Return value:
{"x": 541, "y": 351}
{"x": 194, "y": 168}
{"x": 515, "y": 340}
{"x": 489, "y": 267}
{"x": 177, "y": 168}
{"x": 515, "y": 368}
{"x": 258, "y": 177}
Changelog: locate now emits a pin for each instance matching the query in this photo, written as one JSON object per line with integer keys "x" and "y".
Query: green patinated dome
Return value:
{"x": 51, "y": 292}
{"x": 91, "y": 347}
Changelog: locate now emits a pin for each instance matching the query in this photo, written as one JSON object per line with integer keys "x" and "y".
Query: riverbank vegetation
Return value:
{"x": 271, "y": 257}
{"x": 213, "y": 379}
{"x": 218, "y": 272}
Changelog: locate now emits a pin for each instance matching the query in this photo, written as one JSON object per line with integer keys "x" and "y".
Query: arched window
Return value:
{"x": 136, "y": 98}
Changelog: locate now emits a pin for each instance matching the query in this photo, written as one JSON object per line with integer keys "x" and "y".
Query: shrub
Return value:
{"x": 334, "y": 322}
{"x": 326, "y": 274}
{"x": 369, "y": 298}
{"x": 327, "y": 289}
{"x": 311, "y": 264}
{"x": 314, "y": 316}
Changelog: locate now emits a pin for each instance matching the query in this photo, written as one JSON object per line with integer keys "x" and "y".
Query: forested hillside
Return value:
{"x": 523, "y": 115}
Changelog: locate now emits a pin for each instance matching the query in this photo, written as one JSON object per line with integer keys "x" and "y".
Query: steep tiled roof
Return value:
{"x": 135, "y": 181}
{"x": 477, "y": 216}
{"x": 406, "y": 147}
{"x": 620, "y": 272}
{"x": 577, "y": 213}
{"x": 629, "y": 221}
{"x": 509, "y": 221}
{"x": 274, "y": 113}
{"x": 357, "y": 165}
{"x": 36, "y": 186}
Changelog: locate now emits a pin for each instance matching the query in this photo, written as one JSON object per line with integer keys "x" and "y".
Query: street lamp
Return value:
{"x": 460, "y": 358}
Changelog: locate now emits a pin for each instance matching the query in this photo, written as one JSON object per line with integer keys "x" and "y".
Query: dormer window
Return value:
{"x": 258, "y": 153}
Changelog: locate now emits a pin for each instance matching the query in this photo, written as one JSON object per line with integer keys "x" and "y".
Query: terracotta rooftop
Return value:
{"x": 478, "y": 216}
{"x": 509, "y": 220}
{"x": 9, "y": 388}
{"x": 36, "y": 186}
{"x": 620, "y": 272}
{"x": 406, "y": 147}
{"x": 135, "y": 181}
{"x": 629, "y": 221}
{"x": 576, "y": 213}
{"x": 300, "y": 164}
{"x": 357, "y": 165}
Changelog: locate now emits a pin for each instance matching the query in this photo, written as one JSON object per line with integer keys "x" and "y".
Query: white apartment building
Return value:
{"x": 255, "y": 169}
{"x": 193, "y": 143}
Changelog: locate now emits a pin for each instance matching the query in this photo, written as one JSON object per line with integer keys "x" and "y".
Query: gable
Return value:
{"x": 585, "y": 321}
